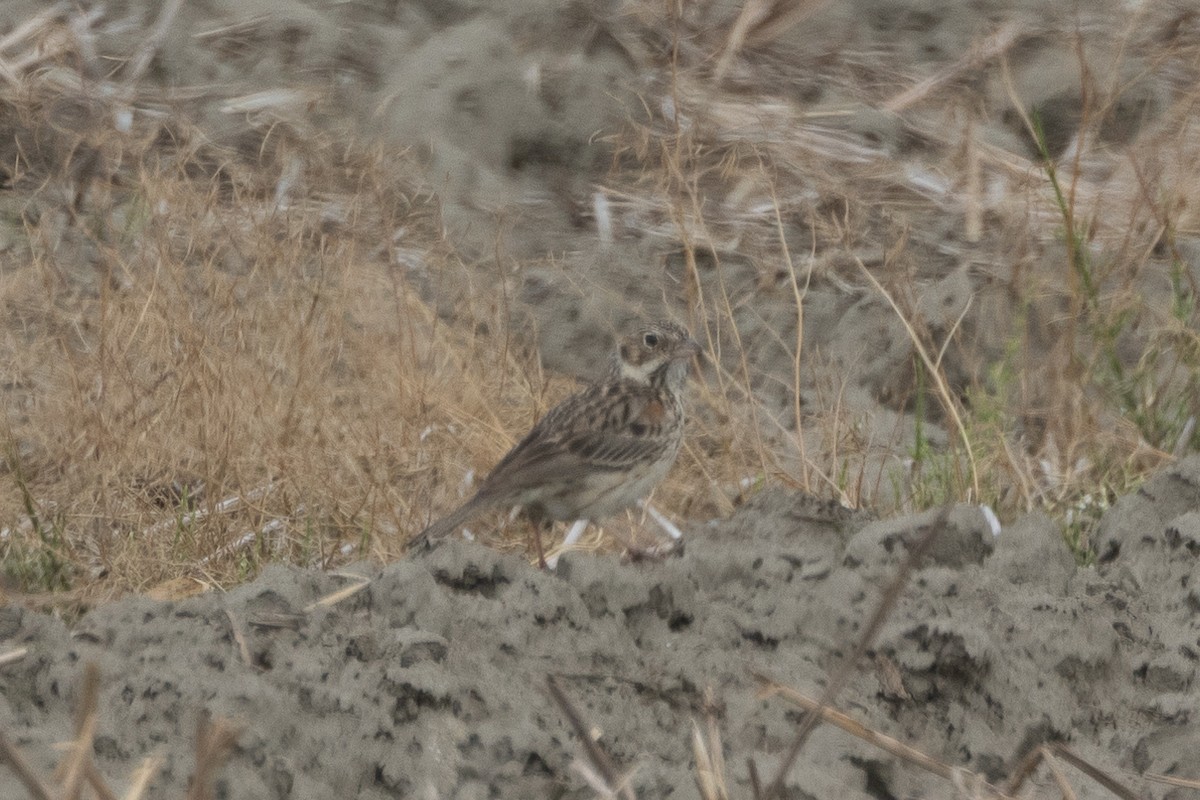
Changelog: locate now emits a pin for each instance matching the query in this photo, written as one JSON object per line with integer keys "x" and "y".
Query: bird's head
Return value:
{"x": 659, "y": 352}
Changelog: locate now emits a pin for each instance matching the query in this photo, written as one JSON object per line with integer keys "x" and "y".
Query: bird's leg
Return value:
{"x": 669, "y": 547}
{"x": 535, "y": 522}
{"x": 662, "y": 520}
{"x": 576, "y": 530}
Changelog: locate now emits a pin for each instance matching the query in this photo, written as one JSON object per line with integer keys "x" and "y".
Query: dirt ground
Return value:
{"x": 429, "y": 680}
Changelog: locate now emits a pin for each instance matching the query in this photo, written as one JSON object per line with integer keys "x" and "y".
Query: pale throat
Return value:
{"x": 638, "y": 373}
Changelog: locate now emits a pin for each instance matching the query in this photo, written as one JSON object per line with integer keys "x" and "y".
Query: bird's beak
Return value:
{"x": 687, "y": 350}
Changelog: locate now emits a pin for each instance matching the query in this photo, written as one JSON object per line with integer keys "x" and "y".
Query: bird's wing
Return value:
{"x": 634, "y": 429}
{"x": 607, "y": 426}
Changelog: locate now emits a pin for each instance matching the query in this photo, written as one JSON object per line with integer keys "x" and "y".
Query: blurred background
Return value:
{"x": 279, "y": 277}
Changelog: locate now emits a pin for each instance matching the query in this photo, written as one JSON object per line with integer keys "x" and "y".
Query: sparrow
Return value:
{"x": 599, "y": 451}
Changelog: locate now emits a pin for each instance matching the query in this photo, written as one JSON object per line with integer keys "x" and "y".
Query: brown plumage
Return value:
{"x": 602, "y": 449}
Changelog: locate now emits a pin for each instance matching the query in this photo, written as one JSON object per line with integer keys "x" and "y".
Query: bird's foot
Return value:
{"x": 655, "y": 552}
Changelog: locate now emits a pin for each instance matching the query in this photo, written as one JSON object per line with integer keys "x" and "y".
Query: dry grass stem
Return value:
{"x": 239, "y": 638}
{"x": 97, "y": 782}
{"x": 611, "y": 783}
{"x": 978, "y": 787}
{"x": 224, "y": 506}
{"x": 358, "y": 584}
{"x": 785, "y": 15}
{"x": 709, "y": 753}
{"x": 214, "y": 744}
{"x": 74, "y": 767}
{"x": 1021, "y": 773}
{"x": 215, "y": 740}
{"x": 973, "y": 194}
{"x": 840, "y": 677}
{"x": 139, "y": 782}
{"x": 1172, "y": 780}
{"x": 949, "y": 402}
{"x": 716, "y": 749}
{"x": 13, "y": 656}
{"x": 771, "y": 688}
{"x": 753, "y": 12}
{"x": 988, "y": 48}
{"x": 1050, "y": 754}
{"x": 27, "y": 34}
{"x": 150, "y": 45}
{"x": 73, "y": 770}
{"x": 77, "y": 768}
{"x": 1064, "y": 786}
{"x": 9, "y": 754}
{"x": 707, "y": 780}
{"x": 1101, "y": 777}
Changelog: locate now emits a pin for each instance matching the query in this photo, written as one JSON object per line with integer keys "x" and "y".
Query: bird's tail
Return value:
{"x": 449, "y": 523}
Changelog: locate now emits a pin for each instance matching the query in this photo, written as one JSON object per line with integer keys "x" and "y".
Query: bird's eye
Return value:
{"x": 650, "y": 339}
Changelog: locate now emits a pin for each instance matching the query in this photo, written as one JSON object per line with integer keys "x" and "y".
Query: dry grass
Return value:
{"x": 223, "y": 352}
{"x": 216, "y": 356}
{"x": 219, "y": 355}
{"x": 208, "y": 344}
{"x": 1065, "y": 376}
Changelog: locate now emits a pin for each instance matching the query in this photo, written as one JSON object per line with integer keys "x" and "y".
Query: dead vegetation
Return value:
{"x": 212, "y": 359}
{"x": 1066, "y": 372}
{"x": 77, "y": 772}
{"x": 220, "y": 350}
